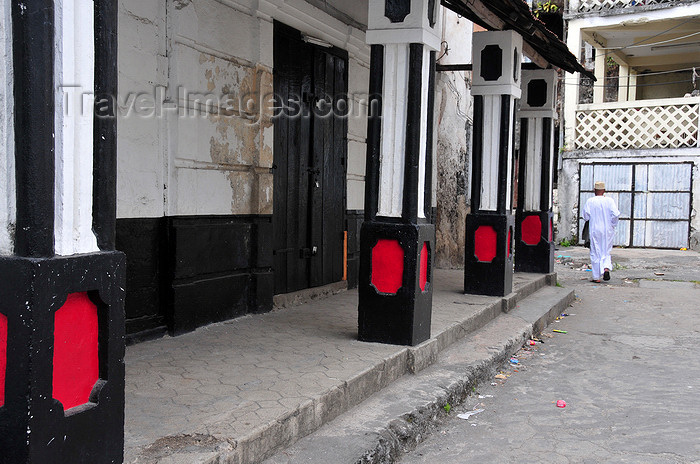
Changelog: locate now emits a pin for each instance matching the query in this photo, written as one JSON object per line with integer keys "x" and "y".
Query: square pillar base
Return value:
{"x": 534, "y": 242}
{"x": 62, "y": 320}
{"x": 395, "y": 284}
{"x": 488, "y": 259}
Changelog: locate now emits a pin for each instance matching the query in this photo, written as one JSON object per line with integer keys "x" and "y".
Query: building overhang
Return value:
{"x": 541, "y": 45}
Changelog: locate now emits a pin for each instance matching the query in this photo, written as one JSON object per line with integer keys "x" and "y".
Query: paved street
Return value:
{"x": 628, "y": 369}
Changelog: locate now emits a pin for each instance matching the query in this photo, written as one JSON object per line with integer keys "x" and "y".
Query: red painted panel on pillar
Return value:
{"x": 3, "y": 356}
{"x": 551, "y": 230}
{"x": 485, "y": 244}
{"x": 387, "y": 266}
{"x": 531, "y": 230}
{"x": 75, "y": 351}
{"x": 423, "y": 266}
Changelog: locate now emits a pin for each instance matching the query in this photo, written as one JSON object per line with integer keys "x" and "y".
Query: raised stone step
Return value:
{"x": 278, "y": 377}
{"x": 393, "y": 420}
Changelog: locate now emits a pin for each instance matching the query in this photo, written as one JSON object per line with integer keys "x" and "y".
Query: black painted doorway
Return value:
{"x": 310, "y": 127}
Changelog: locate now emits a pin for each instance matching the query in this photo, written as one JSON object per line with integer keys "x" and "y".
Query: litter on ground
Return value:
{"x": 469, "y": 414}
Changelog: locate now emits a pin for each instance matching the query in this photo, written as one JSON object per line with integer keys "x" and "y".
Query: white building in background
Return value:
{"x": 637, "y": 127}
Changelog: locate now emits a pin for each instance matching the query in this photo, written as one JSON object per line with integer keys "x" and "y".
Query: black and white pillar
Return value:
{"x": 397, "y": 237}
{"x": 490, "y": 225}
{"x": 534, "y": 242}
{"x": 61, "y": 322}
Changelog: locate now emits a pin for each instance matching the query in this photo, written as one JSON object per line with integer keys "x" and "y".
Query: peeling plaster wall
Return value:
{"x": 7, "y": 136}
{"x": 567, "y": 195}
{"x": 567, "y": 199}
{"x": 208, "y": 147}
{"x": 453, "y": 105}
{"x": 142, "y": 67}
{"x": 222, "y": 154}
{"x": 358, "y": 82}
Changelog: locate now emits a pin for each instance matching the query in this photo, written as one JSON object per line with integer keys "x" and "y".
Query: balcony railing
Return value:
{"x": 668, "y": 123}
{"x": 599, "y": 5}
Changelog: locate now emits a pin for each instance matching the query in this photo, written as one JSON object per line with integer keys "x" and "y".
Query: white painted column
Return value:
{"x": 393, "y": 138}
{"x": 74, "y": 78}
{"x": 425, "y": 79}
{"x": 571, "y": 85}
{"x": 533, "y": 164}
{"x": 537, "y": 105}
{"x": 599, "y": 89}
{"x": 7, "y": 135}
{"x": 489, "y": 161}
{"x": 632, "y": 92}
{"x": 396, "y": 38}
{"x": 497, "y": 60}
{"x": 623, "y": 83}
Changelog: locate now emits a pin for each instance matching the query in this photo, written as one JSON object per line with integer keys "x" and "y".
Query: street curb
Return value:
{"x": 425, "y": 354}
{"x": 404, "y": 433}
{"x": 444, "y": 383}
{"x": 310, "y": 416}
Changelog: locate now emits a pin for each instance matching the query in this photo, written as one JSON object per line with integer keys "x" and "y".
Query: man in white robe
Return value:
{"x": 602, "y": 215}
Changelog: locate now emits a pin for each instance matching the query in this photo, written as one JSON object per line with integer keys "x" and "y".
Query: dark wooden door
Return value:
{"x": 310, "y": 84}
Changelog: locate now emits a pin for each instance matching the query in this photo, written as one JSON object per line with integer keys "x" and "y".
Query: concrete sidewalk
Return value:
{"x": 239, "y": 391}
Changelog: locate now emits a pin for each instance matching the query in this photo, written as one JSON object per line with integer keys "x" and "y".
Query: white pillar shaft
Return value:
{"x": 571, "y": 87}
{"x": 533, "y": 164}
{"x": 393, "y": 137}
{"x": 599, "y": 89}
{"x": 74, "y": 78}
{"x": 7, "y": 136}
{"x": 490, "y": 166}
{"x": 425, "y": 88}
{"x": 489, "y": 160}
{"x": 623, "y": 83}
{"x": 552, "y": 153}
{"x": 511, "y": 148}
{"x": 632, "y": 93}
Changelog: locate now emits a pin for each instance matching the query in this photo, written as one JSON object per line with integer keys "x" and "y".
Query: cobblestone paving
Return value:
{"x": 227, "y": 379}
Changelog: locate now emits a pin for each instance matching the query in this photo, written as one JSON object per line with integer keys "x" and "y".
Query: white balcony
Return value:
{"x": 666, "y": 123}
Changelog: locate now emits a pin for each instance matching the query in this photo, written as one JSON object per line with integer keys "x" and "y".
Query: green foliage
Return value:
{"x": 544, "y": 7}
{"x": 559, "y": 284}
{"x": 447, "y": 407}
{"x": 565, "y": 243}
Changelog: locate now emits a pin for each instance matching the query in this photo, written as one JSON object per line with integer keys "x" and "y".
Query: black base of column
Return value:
{"x": 393, "y": 308}
{"x": 488, "y": 266}
{"x": 33, "y": 424}
{"x": 534, "y": 244}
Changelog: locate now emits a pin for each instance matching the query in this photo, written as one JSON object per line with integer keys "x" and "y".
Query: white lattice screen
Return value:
{"x": 598, "y": 5}
{"x": 618, "y": 126}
